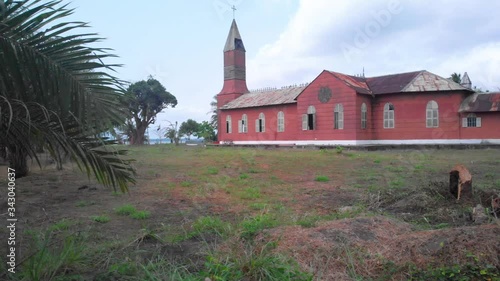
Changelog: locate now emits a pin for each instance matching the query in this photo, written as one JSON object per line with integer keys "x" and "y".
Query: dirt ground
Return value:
{"x": 377, "y": 208}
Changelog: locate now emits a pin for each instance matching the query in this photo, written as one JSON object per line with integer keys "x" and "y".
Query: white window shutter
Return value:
{"x": 240, "y": 127}
{"x": 263, "y": 125}
{"x": 478, "y": 122}
{"x": 257, "y": 125}
{"x": 464, "y": 122}
{"x": 314, "y": 122}
{"x": 304, "y": 122}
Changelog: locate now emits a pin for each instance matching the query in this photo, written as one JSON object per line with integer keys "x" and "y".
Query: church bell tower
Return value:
{"x": 234, "y": 68}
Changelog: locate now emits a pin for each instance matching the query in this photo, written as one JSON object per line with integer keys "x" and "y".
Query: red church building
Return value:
{"x": 337, "y": 109}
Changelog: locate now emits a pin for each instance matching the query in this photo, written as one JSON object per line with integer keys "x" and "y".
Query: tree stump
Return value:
{"x": 495, "y": 207}
{"x": 460, "y": 182}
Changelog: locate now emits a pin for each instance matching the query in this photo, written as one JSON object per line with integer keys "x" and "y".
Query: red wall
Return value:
{"x": 490, "y": 127}
{"x": 271, "y": 123}
{"x": 364, "y": 134}
{"x": 325, "y": 111}
{"x": 410, "y": 116}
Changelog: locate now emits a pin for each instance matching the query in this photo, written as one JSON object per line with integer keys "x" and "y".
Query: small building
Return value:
{"x": 337, "y": 109}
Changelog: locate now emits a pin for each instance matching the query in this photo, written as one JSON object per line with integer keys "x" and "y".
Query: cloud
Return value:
{"x": 384, "y": 37}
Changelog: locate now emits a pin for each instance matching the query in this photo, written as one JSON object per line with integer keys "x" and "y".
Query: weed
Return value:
{"x": 101, "y": 219}
{"x": 140, "y": 215}
{"x": 243, "y": 176}
{"x": 377, "y": 161}
{"x": 397, "y": 183}
{"x": 212, "y": 170}
{"x": 258, "y": 206}
{"x": 251, "y": 193}
{"x": 255, "y": 263}
{"x": 125, "y": 210}
{"x": 52, "y": 259}
{"x": 186, "y": 184}
{"x": 497, "y": 184}
{"x": 322, "y": 179}
{"x": 339, "y": 149}
{"x": 253, "y": 225}
{"x": 210, "y": 224}
{"x": 84, "y": 203}
{"x": 489, "y": 176}
{"x": 253, "y": 171}
{"x": 63, "y": 224}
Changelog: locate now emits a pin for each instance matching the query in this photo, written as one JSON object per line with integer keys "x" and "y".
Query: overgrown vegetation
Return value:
{"x": 254, "y": 214}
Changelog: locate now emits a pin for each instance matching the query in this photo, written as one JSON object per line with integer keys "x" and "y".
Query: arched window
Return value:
{"x": 260, "y": 124}
{"x": 309, "y": 119}
{"x": 339, "y": 117}
{"x": 281, "y": 121}
{"x": 432, "y": 115}
{"x": 228, "y": 124}
{"x": 243, "y": 124}
{"x": 388, "y": 115}
{"x": 364, "y": 116}
{"x": 471, "y": 121}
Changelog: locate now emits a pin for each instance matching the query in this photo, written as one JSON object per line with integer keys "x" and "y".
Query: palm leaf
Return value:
{"x": 55, "y": 89}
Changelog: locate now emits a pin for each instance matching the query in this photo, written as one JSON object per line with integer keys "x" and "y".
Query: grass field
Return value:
{"x": 261, "y": 214}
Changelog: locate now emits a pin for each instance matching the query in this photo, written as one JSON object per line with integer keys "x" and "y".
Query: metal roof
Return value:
{"x": 356, "y": 83}
{"x": 285, "y": 95}
{"x": 393, "y": 83}
{"x": 417, "y": 81}
{"x": 481, "y": 102}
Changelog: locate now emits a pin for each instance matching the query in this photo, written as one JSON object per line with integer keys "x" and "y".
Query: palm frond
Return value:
{"x": 56, "y": 89}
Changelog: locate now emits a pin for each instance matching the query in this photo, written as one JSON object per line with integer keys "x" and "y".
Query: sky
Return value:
{"x": 289, "y": 42}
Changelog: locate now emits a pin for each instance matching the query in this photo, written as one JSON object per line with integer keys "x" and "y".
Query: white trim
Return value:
{"x": 372, "y": 142}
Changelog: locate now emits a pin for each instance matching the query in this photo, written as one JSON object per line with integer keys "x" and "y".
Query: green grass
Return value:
{"x": 125, "y": 210}
{"x": 322, "y": 179}
{"x": 63, "y": 224}
{"x": 251, "y": 226}
{"x": 84, "y": 203}
{"x": 244, "y": 176}
{"x": 251, "y": 193}
{"x": 101, "y": 219}
{"x": 212, "y": 170}
{"x": 140, "y": 215}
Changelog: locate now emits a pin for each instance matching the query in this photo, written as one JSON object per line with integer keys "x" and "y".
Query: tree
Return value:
{"x": 173, "y": 133}
{"x": 214, "y": 112}
{"x": 145, "y": 99}
{"x": 206, "y": 131}
{"x": 456, "y": 77}
{"x": 189, "y": 128}
{"x": 55, "y": 92}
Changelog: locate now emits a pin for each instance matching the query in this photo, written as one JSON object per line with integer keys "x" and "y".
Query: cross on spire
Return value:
{"x": 234, "y": 11}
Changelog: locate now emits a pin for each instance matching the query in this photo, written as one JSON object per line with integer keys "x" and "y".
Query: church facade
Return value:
{"x": 337, "y": 109}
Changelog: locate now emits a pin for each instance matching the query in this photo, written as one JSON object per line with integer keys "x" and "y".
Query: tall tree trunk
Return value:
{"x": 139, "y": 134}
{"x": 18, "y": 161}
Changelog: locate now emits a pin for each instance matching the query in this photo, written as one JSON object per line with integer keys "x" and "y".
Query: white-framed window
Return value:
{"x": 228, "y": 124}
{"x": 339, "y": 117}
{"x": 260, "y": 124}
{"x": 281, "y": 121}
{"x": 243, "y": 124}
{"x": 432, "y": 115}
{"x": 471, "y": 121}
{"x": 364, "y": 116}
{"x": 388, "y": 116}
{"x": 309, "y": 119}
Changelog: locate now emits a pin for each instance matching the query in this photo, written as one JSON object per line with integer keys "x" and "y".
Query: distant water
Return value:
{"x": 167, "y": 140}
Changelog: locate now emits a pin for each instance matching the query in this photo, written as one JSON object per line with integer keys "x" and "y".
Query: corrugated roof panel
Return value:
{"x": 264, "y": 98}
{"x": 389, "y": 84}
{"x": 356, "y": 83}
{"x": 481, "y": 102}
{"x": 429, "y": 82}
